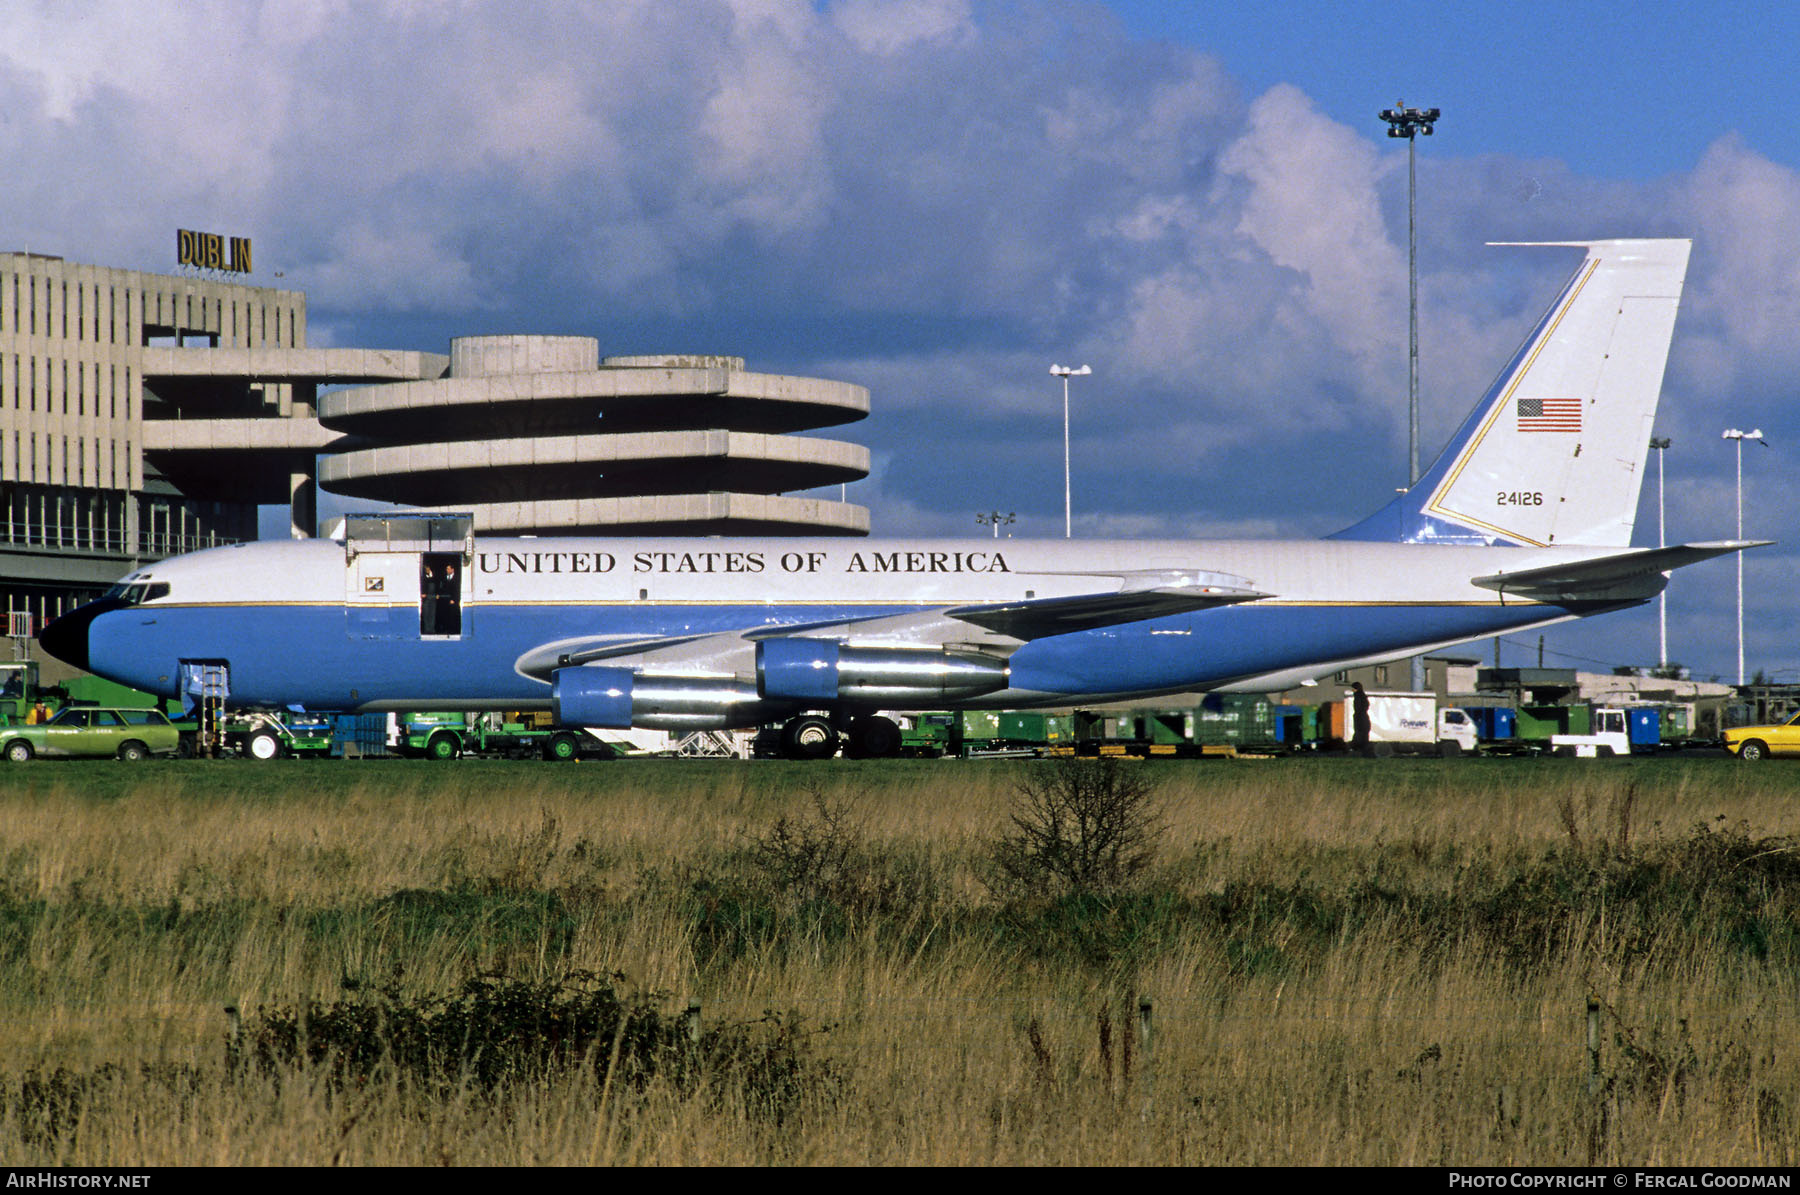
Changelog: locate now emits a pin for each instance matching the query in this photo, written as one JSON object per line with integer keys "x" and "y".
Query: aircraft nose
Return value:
{"x": 66, "y": 638}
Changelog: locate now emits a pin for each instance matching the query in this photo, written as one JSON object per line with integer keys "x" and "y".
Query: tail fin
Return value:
{"x": 1555, "y": 452}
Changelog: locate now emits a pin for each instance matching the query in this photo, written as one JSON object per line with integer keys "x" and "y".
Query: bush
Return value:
{"x": 1079, "y": 827}
{"x": 496, "y": 1034}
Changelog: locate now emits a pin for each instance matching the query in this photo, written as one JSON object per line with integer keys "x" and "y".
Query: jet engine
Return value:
{"x": 618, "y": 698}
{"x": 823, "y": 670}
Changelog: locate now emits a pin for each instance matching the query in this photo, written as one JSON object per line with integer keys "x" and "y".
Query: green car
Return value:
{"x": 87, "y": 731}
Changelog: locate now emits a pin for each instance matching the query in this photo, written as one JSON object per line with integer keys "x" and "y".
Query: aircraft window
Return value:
{"x": 139, "y": 592}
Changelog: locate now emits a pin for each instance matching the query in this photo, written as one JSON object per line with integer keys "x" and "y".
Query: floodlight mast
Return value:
{"x": 1732, "y": 433}
{"x": 1661, "y": 445}
{"x": 1408, "y": 123}
{"x": 1066, "y": 372}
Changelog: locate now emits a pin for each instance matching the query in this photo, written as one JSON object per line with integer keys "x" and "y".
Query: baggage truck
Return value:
{"x": 1611, "y": 731}
{"x": 1409, "y": 723}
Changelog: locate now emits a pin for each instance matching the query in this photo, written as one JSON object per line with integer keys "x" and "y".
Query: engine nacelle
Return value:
{"x": 618, "y": 698}
{"x": 823, "y": 670}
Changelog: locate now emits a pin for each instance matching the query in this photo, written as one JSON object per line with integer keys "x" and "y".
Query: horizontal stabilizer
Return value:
{"x": 1639, "y": 574}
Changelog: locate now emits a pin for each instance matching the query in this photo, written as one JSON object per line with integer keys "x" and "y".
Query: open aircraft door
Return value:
{"x": 404, "y": 576}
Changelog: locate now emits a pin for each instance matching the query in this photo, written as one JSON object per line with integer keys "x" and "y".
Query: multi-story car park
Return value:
{"x": 144, "y": 414}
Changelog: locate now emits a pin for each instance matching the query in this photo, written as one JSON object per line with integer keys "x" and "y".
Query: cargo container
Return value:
{"x": 1537, "y": 723}
{"x": 1167, "y": 727}
{"x": 1643, "y": 726}
{"x": 1235, "y": 719}
{"x": 1495, "y": 724}
{"x": 359, "y": 736}
{"x": 1291, "y": 725}
{"x": 1032, "y": 729}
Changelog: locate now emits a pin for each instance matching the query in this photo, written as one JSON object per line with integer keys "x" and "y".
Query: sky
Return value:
{"x": 938, "y": 199}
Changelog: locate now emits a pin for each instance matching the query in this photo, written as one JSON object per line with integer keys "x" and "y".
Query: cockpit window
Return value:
{"x": 136, "y": 593}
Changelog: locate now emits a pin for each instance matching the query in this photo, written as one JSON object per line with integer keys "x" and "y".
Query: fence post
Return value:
{"x": 234, "y": 1038}
{"x": 1148, "y": 1061}
{"x": 1593, "y": 1045}
{"x": 1597, "y": 1104}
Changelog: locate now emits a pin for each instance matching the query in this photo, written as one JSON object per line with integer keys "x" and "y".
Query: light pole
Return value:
{"x": 1732, "y": 433}
{"x": 1065, "y": 373}
{"x": 995, "y": 518}
{"x": 1408, "y": 123}
{"x": 1662, "y": 538}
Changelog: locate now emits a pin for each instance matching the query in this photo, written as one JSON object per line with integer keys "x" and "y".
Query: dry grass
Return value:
{"x": 1350, "y": 962}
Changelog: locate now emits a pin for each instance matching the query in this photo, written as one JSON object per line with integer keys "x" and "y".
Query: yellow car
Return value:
{"x": 1752, "y": 743}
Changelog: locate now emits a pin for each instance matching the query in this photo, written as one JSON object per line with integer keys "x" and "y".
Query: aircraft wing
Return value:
{"x": 996, "y": 628}
{"x": 1639, "y": 574}
{"x": 1144, "y": 596}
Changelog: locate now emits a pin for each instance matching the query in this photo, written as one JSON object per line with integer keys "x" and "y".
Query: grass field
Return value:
{"x": 1347, "y": 962}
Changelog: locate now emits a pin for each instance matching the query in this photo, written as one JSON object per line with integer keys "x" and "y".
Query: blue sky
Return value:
{"x": 940, "y": 198}
{"x": 1619, "y": 92}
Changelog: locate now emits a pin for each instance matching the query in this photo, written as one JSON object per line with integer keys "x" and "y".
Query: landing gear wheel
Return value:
{"x": 442, "y": 746}
{"x": 875, "y": 737}
{"x": 263, "y": 745}
{"x": 562, "y": 746}
{"x": 809, "y": 737}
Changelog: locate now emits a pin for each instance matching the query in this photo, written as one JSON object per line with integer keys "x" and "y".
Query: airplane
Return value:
{"x": 1524, "y": 520}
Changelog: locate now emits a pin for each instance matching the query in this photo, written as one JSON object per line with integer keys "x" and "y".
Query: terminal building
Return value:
{"x": 144, "y": 415}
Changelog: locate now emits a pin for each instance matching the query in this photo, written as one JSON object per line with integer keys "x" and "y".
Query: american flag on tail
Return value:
{"x": 1549, "y": 414}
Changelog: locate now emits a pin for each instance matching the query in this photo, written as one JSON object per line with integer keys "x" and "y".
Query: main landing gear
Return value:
{"x": 814, "y": 736}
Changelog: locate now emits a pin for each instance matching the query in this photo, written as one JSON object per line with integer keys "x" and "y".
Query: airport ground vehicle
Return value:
{"x": 1614, "y": 731}
{"x": 92, "y": 732}
{"x": 1756, "y": 743}
{"x": 1402, "y": 723}
{"x": 262, "y": 735}
{"x": 508, "y": 736}
{"x": 24, "y": 698}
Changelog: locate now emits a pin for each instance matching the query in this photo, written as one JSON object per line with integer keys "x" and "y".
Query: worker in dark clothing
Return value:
{"x": 1359, "y": 719}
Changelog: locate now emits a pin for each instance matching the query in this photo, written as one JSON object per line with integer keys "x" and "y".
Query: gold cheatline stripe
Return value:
{"x": 928, "y": 605}
{"x": 1468, "y": 453}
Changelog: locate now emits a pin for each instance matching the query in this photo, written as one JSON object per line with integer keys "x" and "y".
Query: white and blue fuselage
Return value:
{"x": 295, "y": 628}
